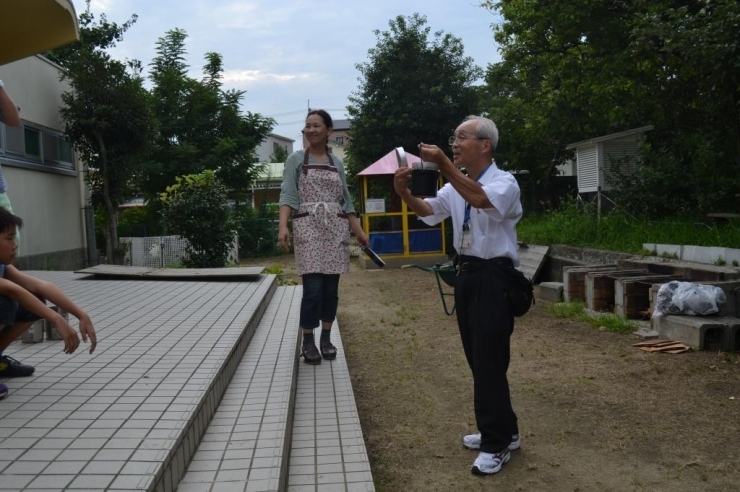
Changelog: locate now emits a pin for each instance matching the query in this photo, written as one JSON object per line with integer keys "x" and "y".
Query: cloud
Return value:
{"x": 247, "y": 77}
{"x": 98, "y": 6}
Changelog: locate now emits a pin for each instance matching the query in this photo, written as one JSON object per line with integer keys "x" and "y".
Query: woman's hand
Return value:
{"x": 284, "y": 238}
{"x": 362, "y": 239}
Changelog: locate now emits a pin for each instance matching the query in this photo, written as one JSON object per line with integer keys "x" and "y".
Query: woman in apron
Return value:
{"x": 314, "y": 192}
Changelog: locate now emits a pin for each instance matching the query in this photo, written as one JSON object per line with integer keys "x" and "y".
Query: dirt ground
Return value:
{"x": 595, "y": 413}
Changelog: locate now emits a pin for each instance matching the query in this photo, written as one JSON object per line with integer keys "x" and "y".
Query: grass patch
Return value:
{"x": 577, "y": 224}
{"x": 605, "y": 321}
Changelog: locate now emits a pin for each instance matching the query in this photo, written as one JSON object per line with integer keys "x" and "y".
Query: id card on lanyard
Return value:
{"x": 466, "y": 238}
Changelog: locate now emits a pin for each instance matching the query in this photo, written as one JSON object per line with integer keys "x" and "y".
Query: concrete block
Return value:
{"x": 735, "y": 338}
{"x": 701, "y": 333}
{"x": 551, "y": 291}
{"x": 632, "y": 295}
{"x": 732, "y": 256}
{"x": 600, "y": 288}
{"x": 669, "y": 250}
{"x": 698, "y": 254}
{"x": 574, "y": 281}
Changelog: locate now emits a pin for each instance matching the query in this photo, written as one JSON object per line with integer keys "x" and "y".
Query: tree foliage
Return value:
{"x": 583, "y": 69}
{"x": 200, "y": 125}
{"x": 279, "y": 154}
{"x": 196, "y": 208}
{"x": 412, "y": 89}
{"x": 106, "y": 115}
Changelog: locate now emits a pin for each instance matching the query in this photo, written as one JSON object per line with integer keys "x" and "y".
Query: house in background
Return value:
{"x": 266, "y": 188}
{"x": 45, "y": 180}
{"x": 273, "y": 141}
{"x": 595, "y": 158}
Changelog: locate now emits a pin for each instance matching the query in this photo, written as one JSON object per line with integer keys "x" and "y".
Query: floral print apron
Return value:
{"x": 320, "y": 226}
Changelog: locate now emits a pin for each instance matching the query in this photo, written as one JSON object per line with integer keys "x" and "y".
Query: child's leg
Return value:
{"x": 9, "y": 333}
{"x": 14, "y": 321}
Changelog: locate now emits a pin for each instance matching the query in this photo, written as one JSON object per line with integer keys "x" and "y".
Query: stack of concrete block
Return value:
{"x": 574, "y": 281}
{"x": 600, "y": 287}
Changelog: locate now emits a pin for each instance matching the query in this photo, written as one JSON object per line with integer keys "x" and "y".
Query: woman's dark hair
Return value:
{"x": 324, "y": 116}
{"x": 8, "y": 220}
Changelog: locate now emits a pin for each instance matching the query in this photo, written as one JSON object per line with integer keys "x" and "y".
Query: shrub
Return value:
{"x": 196, "y": 208}
{"x": 257, "y": 233}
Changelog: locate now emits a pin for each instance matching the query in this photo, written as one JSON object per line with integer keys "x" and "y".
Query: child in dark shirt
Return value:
{"x": 22, "y": 302}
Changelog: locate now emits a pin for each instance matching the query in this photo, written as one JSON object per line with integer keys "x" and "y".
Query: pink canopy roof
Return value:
{"x": 387, "y": 164}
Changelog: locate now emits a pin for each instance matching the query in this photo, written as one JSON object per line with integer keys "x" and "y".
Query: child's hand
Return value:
{"x": 71, "y": 340}
{"x": 87, "y": 330}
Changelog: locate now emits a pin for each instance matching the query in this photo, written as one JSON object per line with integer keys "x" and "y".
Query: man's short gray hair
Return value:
{"x": 486, "y": 129}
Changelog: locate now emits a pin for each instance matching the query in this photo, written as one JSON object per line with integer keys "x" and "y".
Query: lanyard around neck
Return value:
{"x": 466, "y": 218}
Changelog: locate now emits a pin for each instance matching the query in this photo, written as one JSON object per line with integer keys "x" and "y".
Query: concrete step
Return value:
{"x": 247, "y": 444}
{"x": 283, "y": 425}
{"x": 328, "y": 449}
{"x": 551, "y": 291}
{"x": 131, "y": 415}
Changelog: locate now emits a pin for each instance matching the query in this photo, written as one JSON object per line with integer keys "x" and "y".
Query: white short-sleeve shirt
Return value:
{"x": 493, "y": 230}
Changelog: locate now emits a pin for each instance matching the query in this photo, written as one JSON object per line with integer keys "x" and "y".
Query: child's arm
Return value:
{"x": 31, "y": 285}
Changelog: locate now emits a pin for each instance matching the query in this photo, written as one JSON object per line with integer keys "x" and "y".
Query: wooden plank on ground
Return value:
{"x": 531, "y": 259}
{"x": 124, "y": 271}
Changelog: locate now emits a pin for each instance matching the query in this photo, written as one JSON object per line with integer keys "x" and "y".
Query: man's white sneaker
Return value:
{"x": 490, "y": 463}
{"x": 472, "y": 441}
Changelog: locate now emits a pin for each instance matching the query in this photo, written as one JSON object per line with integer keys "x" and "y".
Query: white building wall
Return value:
{"x": 49, "y": 201}
{"x": 266, "y": 148}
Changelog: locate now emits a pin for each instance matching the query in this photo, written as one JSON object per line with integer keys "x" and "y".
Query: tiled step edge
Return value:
{"x": 328, "y": 449}
{"x": 179, "y": 458}
{"x": 246, "y": 445}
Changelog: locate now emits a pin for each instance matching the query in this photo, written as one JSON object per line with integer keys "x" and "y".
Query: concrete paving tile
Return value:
{"x": 64, "y": 468}
{"x": 132, "y": 482}
{"x": 46, "y": 482}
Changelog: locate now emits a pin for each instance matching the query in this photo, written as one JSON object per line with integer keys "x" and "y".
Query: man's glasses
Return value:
{"x": 454, "y": 139}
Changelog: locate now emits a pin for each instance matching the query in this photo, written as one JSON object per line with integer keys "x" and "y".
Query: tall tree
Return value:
{"x": 565, "y": 74}
{"x": 107, "y": 116}
{"x": 200, "y": 125}
{"x": 587, "y": 68}
{"x": 412, "y": 89}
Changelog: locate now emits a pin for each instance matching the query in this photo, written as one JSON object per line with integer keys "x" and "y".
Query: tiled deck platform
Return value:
{"x": 135, "y": 413}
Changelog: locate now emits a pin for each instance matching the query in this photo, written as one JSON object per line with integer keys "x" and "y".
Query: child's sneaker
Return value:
{"x": 472, "y": 441}
{"x": 11, "y": 368}
{"x": 490, "y": 463}
{"x": 3, "y": 391}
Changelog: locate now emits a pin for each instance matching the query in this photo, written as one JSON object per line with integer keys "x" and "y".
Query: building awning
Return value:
{"x": 30, "y": 27}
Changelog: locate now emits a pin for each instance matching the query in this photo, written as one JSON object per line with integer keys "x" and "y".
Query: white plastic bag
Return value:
{"x": 688, "y": 298}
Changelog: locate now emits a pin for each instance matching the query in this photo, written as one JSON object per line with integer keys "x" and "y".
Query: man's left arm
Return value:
{"x": 471, "y": 191}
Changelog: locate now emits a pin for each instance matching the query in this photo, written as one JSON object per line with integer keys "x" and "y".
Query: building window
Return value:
{"x": 34, "y": 144}
{"x": 340, "y": 140}
{"x": 32, "y": 140}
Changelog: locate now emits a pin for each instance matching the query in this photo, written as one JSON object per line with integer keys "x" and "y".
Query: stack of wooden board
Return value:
{"x": 662, "y": 346}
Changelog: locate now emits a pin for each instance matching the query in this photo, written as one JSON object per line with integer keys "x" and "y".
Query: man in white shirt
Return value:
{"x": 485, "y": 208}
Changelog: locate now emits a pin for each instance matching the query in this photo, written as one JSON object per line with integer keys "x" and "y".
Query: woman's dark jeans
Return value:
{"x": 320, "y": 299}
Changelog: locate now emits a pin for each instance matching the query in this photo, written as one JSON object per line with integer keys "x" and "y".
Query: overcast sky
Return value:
{"x": 289, "y": 54}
